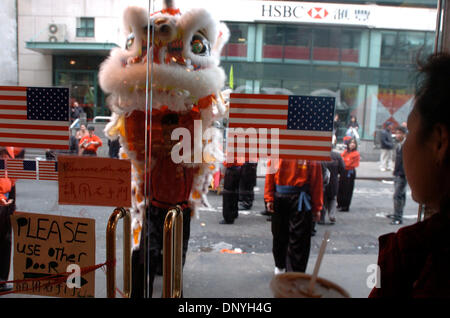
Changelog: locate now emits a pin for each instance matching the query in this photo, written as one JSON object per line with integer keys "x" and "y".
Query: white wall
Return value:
{"x": 8, "y": 40}
{"x": 34, "y": 17}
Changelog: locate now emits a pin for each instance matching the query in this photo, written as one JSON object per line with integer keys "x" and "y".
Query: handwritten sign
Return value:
{"x": 45, "y": 246}
{"x": 94, "y": 181}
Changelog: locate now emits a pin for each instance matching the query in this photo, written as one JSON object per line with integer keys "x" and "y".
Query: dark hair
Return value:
{"x": 91, "y": 128}
{"x": 433, "y": 92}
{"x": 433, "y": 105}
{"x": 401, "y": 129}
{"x": 349, "y": 142}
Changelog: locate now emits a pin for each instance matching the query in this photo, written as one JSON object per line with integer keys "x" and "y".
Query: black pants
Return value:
{"x": 156, "y": 217}
{"x": 345, "y": 192}
{"x": 89, "y": 153}
{"x": 230, "y": 194}
{"x": 291, "y": 231}
{"x": 246, "y": 184}
{"x": 5, "y": 236}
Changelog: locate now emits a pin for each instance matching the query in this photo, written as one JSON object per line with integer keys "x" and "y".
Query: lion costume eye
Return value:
{"x": 130, "y": 41}
{"x": 199, "y": 44}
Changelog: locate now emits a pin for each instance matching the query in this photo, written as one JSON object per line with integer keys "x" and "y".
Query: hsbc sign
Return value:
{"x": 314, "y": 12}
{"x": 368, "y": 16}
{"x": 284, "y": 11}
{"x": 318, "y": 13}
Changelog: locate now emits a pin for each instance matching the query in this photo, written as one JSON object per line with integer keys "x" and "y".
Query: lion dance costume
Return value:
{"x": 186, "y": 89}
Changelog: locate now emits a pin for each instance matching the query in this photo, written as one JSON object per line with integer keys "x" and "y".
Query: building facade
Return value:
{"x": 8, "y": 38}
{"x": 363, "y": 54}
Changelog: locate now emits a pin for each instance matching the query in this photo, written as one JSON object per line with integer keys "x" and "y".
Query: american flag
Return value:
{"x": 2, "y": 168}
{"x": 48, "y": 170}
{"x": 34, "y": 117}
{"x": 21, "y": 169}
{"x": 304, "y": 123}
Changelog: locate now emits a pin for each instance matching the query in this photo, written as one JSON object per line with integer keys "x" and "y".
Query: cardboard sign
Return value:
{"x": 94, "y": 181}
{"x": 44, "y": 246}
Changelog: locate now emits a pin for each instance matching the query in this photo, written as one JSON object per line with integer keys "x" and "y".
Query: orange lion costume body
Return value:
{"x": 184, "y": 79}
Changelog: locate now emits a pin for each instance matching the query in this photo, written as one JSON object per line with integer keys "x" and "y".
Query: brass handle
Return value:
{"x": 111, "y": 252}
{"x": 173, "y": 254}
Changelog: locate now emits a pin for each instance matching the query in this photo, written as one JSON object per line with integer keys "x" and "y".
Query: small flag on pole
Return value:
{"x": 48, "y": 170}
{"x": 304, "y": 125}
{"x": 34, "y": 117}
{"x": 21, "y": 169}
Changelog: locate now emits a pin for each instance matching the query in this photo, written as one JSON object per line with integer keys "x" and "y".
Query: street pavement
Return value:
{"x": 235, "y": 261}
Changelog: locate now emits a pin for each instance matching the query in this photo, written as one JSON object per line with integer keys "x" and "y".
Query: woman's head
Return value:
{"x": 352, "y": 145}
{"x": 426, "y": 152}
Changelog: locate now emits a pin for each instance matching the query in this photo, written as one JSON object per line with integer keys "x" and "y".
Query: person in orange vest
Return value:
{"x": 294, "y": 194}
{"x": 7, "y": 207}
{"x": 89, "y": 144}
{"x": 351, "y": 158}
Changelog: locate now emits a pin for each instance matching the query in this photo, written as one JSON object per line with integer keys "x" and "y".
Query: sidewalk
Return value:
{"x": 249, "y": 275}
{"x": 370, "y": 170}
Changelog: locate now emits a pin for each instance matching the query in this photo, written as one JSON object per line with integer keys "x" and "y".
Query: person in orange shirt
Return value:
{"x": 89, "y": 144}
{"x": 351, "y": 158}
{"x": 7, "y": 207}
{"x": 294, "y": 194}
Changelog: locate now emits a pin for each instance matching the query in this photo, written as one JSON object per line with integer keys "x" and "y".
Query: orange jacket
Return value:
{"x": 6, "y": 183}
{"x": 171, "y": 183}
{"x": 89, "y": 139}
{"x": 296, "y": 173}
{"x": 351, "y": 159}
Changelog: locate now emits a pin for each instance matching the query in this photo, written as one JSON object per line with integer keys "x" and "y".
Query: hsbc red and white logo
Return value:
{"x": 317, "y": 13}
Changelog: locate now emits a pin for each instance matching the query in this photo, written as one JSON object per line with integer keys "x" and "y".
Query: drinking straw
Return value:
{"x": 323, "y": 246}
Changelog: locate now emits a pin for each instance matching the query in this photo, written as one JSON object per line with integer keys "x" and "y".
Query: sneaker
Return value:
{"x": 396, "y": 222}
{"x": 225, "y": 222}
{"x": 383, "y": 169}
{"x": 332, "y": 220}
{"x": 390, "y": 216}
{"x": 278, "y": 271}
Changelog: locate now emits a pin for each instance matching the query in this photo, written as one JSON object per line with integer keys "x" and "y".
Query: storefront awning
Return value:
{"x": 71, "y": 48}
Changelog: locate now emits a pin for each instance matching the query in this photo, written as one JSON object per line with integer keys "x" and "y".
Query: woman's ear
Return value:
{"x": 441, "y": 142}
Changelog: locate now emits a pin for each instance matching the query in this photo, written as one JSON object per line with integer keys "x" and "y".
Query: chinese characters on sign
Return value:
{"x": 94, "y": 181}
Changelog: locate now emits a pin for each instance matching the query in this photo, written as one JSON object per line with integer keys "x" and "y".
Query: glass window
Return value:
{"x": 237, "y": 45}
{"x": 85, "y": 27}
{"x": 350, "y": 43}
{"x": 298, "y": 43}
{"x": 403, "y": 48}
{"x": 273, "y": 41}
{"x": 326, "y": 44}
